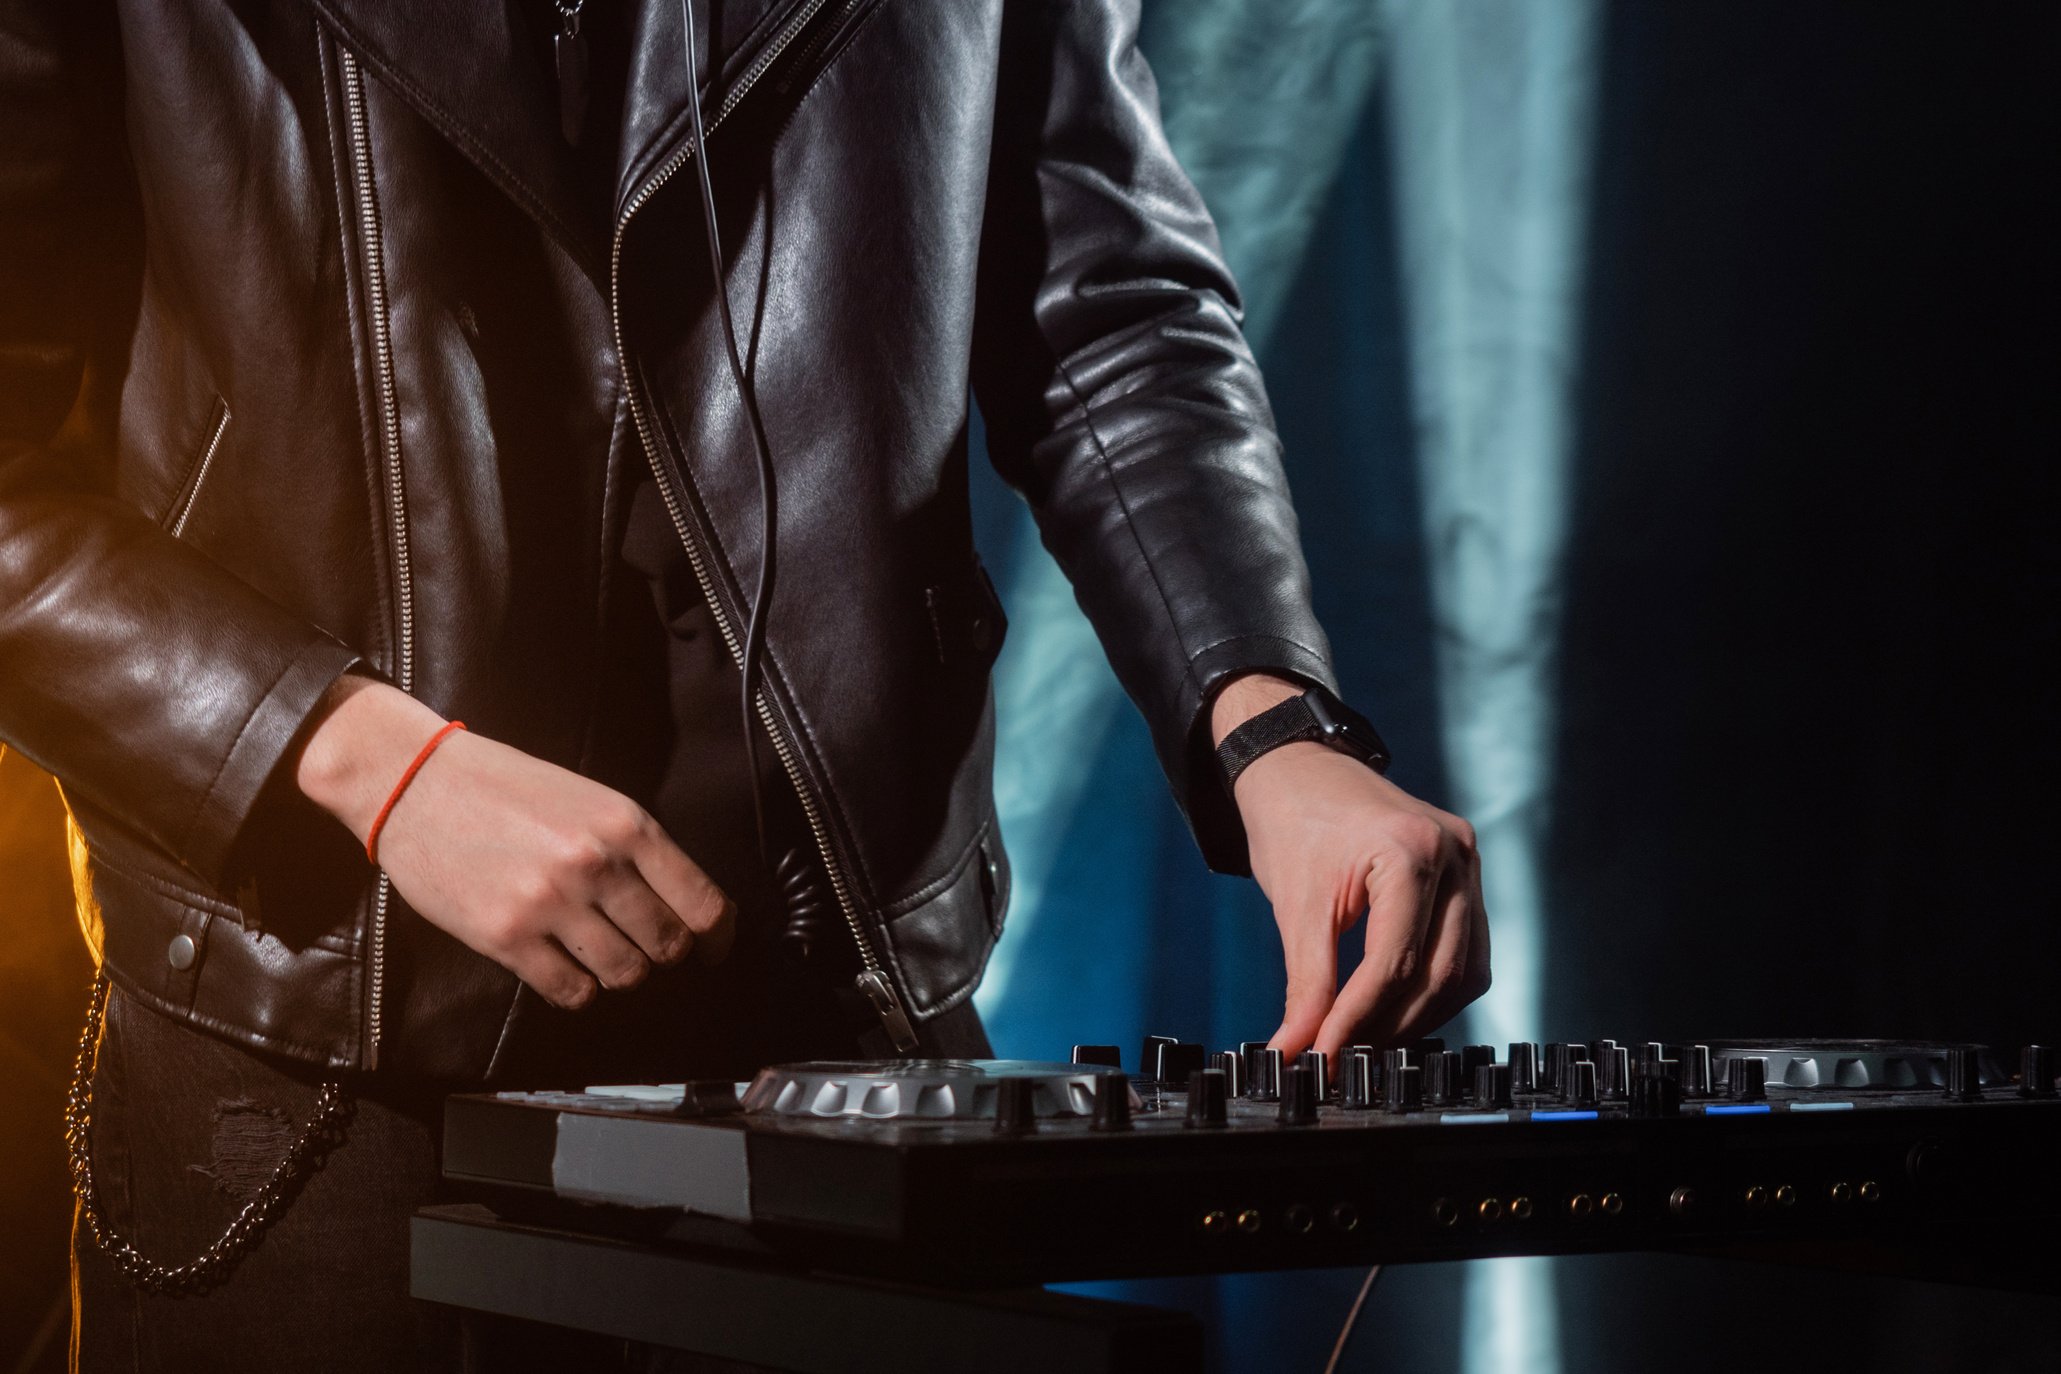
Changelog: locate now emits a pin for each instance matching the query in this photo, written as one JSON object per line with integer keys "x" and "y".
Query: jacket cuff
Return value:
{"x": 255, "y": 755}
{"x": 1190, "y": 756}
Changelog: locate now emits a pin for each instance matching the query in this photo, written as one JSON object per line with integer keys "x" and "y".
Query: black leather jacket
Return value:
{"x": 313, "y": 355}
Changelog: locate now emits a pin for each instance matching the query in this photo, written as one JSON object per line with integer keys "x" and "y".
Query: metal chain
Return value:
{"x": 213, "y": 1264}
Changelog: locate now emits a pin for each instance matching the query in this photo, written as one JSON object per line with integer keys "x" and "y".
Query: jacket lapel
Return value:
{"x": 482, "y": 73}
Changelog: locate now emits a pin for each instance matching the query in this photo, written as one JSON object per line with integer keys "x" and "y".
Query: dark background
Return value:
{"x": 1806, "y": 745}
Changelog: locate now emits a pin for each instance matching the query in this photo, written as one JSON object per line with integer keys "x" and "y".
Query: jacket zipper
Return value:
{"x": 374, "y": 263}
{"x": 873, "y": 981}
{"x": 177, "y": 523}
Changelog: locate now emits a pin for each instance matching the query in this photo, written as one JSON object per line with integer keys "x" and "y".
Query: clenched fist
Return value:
{"x": 569, "y": 885}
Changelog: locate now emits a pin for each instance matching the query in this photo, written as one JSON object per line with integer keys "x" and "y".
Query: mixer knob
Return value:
{"x": 1107, "y": 1055}
{"x": 1252, "y": 1051}
{"x": 1964, "y": 1073}
{"x": 1492, "y": 1086}
{"x": 1299, "y": 1096}
{"x": 1580, "y": 1090}
{"x": 1112, "y": 1104}
{"x": 1016, "y": 1106}
{"x": 1178, "y": 1059}
{"x": 1356, "y": 1079}
{"x": 1392, "y": 1061}
{"x": 1650, "y": 1052}
{"x": 1442, "y": 1081}
{"x": 1601, "y": 1052}
{"x": 1524, "y": 1067}
{"x": 1473, "y": 1057}
{"x": 1231, "y": 1064}
{"x": 1746, "y": 1078}
{"x": 1694, "y": 1073}
{"x": 1148, "y": 1057}
{"x": 1373, "y": 1069}
{"x": 1319, "y": 1065}
{"x": 1266, "y": 1082}
{"x": 1402, "y": 1090}
{"x": 1208, "y": 1096}
{"x": 1655, "y": 1090}
{"x": 2036, "y": 1071}
{"x": 1614, "y": 1075}
{"x": 1555, "y": 1069}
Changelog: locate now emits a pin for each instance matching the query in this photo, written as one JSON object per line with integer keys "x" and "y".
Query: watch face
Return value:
{"x": 1345, "y": 729}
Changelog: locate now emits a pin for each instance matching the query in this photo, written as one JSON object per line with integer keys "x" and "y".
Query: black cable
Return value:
{"x": 755, "y": 626}
{"x": 1351, "y": 1318}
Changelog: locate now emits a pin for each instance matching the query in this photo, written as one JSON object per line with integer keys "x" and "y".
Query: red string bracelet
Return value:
{"x": 421, "y": 757}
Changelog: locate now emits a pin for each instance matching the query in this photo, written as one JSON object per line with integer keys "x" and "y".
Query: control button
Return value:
{"x": 1612, "y": 1204}
{"x": 1756, "y": 1197}
{"x": 1614, "y": 1075}
{"x": 1964, "y": 1073}
{"x": 1871, "y": 1191}
{"x": 1746, "y": 1078}
{"x": 1148, "y": 1057}
{"x": 1016, "y": 1106}
{"x": 1442, "y": 1083}
{"x": 1581, "y": 1084}
{"x": 1298, "y": 1219}
{"x": 1356, "y": 1080}
{"x": 1106, "y": 1055}
{"x": 1682, "y": 1201}
{"x": 1524, "y": 1067}
{"x": 1299, "y": 1097}
{"x": 1208, "y": 1095}
{"x": 1177, "y": 1060}
{"x": 1249, "y": 1220}
{"x": 1492, "y": 1086}
{"x": 1842, "y": 1193}
{"x": 1444, "y": 1212}
{"x": 1112, "y": 1104}
{"x": 1403, "y": 1089}
{"x": 1489, "y": 1210}
{"x": 1231, "y": 1064}
{"x": 1251, "y": 1051}
{"x": 1344, "y": 1217}
{"x": 1473, "y": 1057}
{"x": 1785, "y": 1196}
{"x": 2036, "y": 1071}
{"x": 1266, "y": 1083}
{"x": 181, "y": 953}
{"x": 1216, "y": 1223}
{"x": 1694, "y": 1072}
{"x": 1319, "y": 1065}
{"x": 1581, "y": 1206}
{"x": 1520, "y": 1209}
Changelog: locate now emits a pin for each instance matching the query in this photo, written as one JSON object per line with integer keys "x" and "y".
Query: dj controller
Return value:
{"x": 1928, "y": 1159}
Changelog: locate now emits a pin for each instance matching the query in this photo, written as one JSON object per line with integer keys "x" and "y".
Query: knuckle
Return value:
{"x": 1462, "y": 831}
{"x": 1420, "y": 836}
{"x": 630, "y": 973}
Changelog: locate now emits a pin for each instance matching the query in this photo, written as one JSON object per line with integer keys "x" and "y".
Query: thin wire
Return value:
{"x": 1345, "y": 1332}
{"x": 755, "y": 625}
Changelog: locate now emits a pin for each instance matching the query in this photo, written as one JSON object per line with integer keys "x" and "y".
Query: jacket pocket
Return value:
{"x": 181, "y": 509}
{"x": 966, "y": 622}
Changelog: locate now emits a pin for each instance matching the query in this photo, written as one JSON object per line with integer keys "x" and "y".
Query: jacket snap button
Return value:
{"x": 179, "y": 954}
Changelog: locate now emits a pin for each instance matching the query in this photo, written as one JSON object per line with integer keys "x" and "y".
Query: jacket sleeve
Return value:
{"x": 1121, "y": 399}
{"x": 150, "y": 681}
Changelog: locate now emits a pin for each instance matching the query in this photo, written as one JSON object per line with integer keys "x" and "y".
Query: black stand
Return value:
{"x": 775, "y": 1318}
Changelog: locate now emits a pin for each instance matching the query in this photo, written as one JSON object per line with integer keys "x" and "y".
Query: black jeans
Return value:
{"x": 187, "y": 1125}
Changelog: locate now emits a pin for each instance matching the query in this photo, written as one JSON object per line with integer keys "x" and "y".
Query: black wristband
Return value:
{"x": 1315, "y": 715}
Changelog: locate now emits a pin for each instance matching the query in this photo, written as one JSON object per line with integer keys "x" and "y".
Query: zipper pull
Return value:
{"x": 873, "y": 983}
{"x": 569, "y": 48}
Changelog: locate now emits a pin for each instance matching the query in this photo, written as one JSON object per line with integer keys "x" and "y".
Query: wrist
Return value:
{"x": 363, "y": 736}
{"x": 1244, "y": 697}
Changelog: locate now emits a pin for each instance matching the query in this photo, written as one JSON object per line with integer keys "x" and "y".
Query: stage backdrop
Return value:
{"x": 1670, "y": 396}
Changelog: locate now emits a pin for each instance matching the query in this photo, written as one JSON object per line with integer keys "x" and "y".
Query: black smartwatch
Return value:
{"x": 1315, "y": 715}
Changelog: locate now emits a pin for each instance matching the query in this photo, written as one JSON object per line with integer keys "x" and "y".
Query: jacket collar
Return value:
{"x": 482, "y": 73}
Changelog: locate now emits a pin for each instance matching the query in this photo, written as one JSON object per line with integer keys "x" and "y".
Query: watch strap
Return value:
{"x": 1287, "y": 722}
